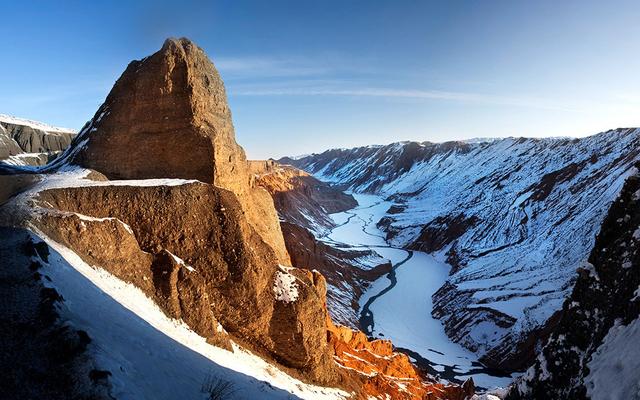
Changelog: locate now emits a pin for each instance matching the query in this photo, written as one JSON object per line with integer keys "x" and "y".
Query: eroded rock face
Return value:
{"x": 167, "y": 117}
{"x": 304, "y": 204}
{"x": 190, "y": 247}
{"x": 25, "y": 142}
{"x": 385, "y": 373}
{"x": 33, "y": 140}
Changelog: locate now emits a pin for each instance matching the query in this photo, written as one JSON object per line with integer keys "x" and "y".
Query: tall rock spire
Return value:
{"x": 167, "y": 117}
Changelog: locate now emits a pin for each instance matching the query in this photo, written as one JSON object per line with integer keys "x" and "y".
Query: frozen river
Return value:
{"x": 398, "y": 306}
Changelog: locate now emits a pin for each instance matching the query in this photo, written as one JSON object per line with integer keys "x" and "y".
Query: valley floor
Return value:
{"x": 398, "y": 306}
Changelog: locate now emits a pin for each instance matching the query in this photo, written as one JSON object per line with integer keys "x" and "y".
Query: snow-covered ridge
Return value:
{"x": 9, "y": 119}
{"x": 517, "y": 217}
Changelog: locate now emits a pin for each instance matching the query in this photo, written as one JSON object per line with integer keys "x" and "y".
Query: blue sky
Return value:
{"x": 304, "y": 76}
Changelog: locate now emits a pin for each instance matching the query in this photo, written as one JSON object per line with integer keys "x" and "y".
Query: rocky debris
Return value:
{"x": 514, "y": 217}
{"x": 386, "y": 373}
{"x": 44, "y": 356}
{"x": 304, "y": 204}
{"x": 25, "y": 142}
{"x": 167, "y": 117}
{"x": 604, "y": 298}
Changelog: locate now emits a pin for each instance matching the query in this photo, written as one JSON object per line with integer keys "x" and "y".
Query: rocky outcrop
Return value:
{"x": 203, "y": 241}
{"x": 514, "y": 217}
{"x": 605, "y": 301}
{"x": 167, "y": 117}
{"x": 190, "y": 247}
{"x": 300, "y": 198}
{"x": 348, "y": 271}
{"x": 24, "y": 142}
{"x": 386, "y": 373}
{"x": 304, "y": 204}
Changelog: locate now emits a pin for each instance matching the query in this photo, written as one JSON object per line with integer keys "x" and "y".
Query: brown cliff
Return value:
{"x": 167, "y": 117}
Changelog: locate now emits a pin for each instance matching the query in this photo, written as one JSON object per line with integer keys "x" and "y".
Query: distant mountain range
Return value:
{"x": 25, "y": 142}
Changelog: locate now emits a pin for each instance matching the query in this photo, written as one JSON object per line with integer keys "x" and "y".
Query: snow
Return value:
{"x": 88, "y": 218}
{"x": 150, "y": 355}
{"x": 613, "y": 369}
{"x": 351, "y": 223}
{"x": 181, "y": 262}
{"x": 521, "y": 256}
{"x": 513, "y": 307}
{"x": 403, "y": 314}
{"x": 33, "y": 124}
{"x": 636, "y": 294}
{"x": 74, "y": 176}
{"x": 285, "y": 287}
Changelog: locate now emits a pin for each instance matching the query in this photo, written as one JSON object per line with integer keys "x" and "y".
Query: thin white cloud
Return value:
{"x": 259, "y": 67}
{"x": 461, "y": 97}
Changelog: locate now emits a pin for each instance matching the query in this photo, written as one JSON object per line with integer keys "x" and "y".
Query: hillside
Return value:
{"x": 514, "y": 217}
{"x": 593, "y": 352}
{"x": 31, "y": 143}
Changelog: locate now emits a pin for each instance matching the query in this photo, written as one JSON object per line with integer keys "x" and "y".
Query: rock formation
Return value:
{"x": 155, "y": 191}
{"x": 386, "y": 373}
{"x": 167, "y": 117}
{"x": 207, "y": 251}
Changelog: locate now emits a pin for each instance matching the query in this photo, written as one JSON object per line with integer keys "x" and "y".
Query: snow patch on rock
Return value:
{"x": 285, "y": 287}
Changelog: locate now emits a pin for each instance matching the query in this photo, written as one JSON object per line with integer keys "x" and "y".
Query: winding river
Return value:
{"x": 398, "y": 306}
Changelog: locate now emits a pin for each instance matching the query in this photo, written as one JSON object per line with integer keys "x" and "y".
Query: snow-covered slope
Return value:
{"x": 516, "y": 217}
{"x": 9, "y": 119}
{"x": 593, "y": 352}
{"x": 151, "y": 356}
{"x": 25, "y": 142}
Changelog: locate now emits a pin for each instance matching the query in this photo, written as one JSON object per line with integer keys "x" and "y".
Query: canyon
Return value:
{"x": 514, "y": 228}
{"x": 163, "y": 249}
{"x": 166, "y": 262}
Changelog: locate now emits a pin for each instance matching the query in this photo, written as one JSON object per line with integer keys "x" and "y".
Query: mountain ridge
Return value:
{"x": 500, "y": 211}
